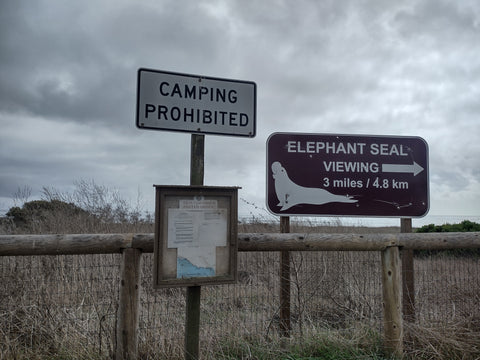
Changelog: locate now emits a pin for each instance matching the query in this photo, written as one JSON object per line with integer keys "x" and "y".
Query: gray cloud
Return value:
{"x": 67, "y": 85}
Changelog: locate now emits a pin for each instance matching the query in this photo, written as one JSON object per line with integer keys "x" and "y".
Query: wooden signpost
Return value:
{"x": 198, "y": 105}
{"x": 351, "y": 175}
{"x": 192, "y": 321}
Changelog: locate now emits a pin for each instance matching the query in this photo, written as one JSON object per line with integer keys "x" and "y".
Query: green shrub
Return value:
{"x": 464, "y": 226}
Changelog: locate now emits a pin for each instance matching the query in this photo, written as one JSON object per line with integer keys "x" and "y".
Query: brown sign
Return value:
{"x": 349, "y": 175}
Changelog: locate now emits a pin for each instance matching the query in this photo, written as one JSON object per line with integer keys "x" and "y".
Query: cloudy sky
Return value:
{"x": 68, "y": 73}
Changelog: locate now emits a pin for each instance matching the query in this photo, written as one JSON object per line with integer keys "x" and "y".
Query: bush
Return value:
{"x": 90, "y": 208}
{"x": 37, "y": 212}
{"x": 464, "y": 226}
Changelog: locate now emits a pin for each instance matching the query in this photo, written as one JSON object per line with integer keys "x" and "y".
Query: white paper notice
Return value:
{"x": 196, "y": 233}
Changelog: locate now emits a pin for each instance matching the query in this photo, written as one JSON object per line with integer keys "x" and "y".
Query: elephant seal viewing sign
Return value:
{"x": 290, "y": 194}
{"x": 346, "y": 175}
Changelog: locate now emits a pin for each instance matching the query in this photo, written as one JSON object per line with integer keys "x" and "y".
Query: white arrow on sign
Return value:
{"x": 414, "y": 169}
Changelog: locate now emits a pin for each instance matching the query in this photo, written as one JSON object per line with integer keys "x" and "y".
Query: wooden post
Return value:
{"x": 197, "y": 162}
{"x": 285, "y": 315}
{"x": 408, "y": 276}
{"x": 192, "y": 320}
{"x": 128, "y": 308}
{"x": 192, "y": 323}
{"x": 392, "y": 301}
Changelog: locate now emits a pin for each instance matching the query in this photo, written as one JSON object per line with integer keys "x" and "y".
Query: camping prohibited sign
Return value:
{"x": 350, "y": 175}
{"x": 195, "y": 104}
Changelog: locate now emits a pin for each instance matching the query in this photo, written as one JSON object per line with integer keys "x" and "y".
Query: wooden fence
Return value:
{"x": 133, "y": 245}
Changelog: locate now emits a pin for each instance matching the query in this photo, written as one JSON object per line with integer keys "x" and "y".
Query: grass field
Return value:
{"x": 64, "y": 307}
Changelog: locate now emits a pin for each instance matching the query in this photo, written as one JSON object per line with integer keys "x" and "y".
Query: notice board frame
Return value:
{"x": 217, "y": 207}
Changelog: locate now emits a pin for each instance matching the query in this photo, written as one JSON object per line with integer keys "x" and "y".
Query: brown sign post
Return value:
{"x": 347, "y": 175}
{"x": 199, "y": 105}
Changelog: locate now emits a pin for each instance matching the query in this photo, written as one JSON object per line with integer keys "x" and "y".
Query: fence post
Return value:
{"x": 128, "y": 308}
{"x": 392, "y": 300}
{"x": 285, "y": 315}
{"x": 408, "y": 276}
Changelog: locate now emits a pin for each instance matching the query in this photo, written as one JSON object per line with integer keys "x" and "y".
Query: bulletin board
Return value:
{"x": 195, "y": 235}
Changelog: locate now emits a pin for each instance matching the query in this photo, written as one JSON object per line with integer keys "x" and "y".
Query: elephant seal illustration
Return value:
{"x": 290, "y": 194}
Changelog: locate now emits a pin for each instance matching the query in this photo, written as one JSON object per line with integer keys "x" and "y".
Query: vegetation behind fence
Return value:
{"x": 66, "y": 306}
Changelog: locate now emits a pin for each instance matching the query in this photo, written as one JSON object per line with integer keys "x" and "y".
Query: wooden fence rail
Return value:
{"x": 66, "y": 244}
{"x": 133, "y": 245}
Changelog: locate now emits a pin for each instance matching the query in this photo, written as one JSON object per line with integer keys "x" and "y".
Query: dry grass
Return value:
{"x": 64, "y": 307}
{"x": 443, "y": 341}
{"x": 58, "y": 306}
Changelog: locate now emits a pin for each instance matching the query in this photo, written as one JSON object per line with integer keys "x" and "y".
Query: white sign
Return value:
{"x": 195, "y": 104}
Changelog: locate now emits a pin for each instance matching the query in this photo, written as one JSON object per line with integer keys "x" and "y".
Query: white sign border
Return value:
{"x": 251, "y": 134}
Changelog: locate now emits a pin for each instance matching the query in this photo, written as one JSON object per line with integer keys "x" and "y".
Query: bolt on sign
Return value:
{"x": 195, "y": 235}
{"x": 195, "y": 104}
{"x": 347, "y": 175}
